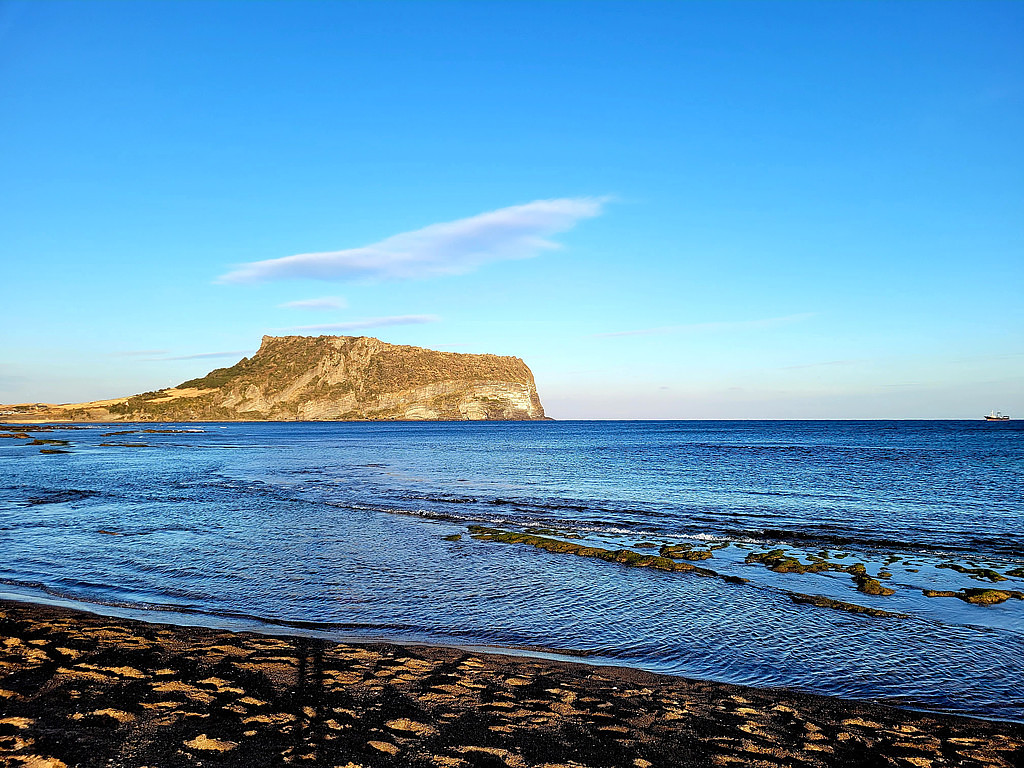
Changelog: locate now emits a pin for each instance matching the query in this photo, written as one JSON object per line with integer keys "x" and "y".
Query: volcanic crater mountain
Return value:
{"x": 307, "y": 378}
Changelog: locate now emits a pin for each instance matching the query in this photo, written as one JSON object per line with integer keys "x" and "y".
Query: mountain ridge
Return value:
{"x": 327, "y": 378}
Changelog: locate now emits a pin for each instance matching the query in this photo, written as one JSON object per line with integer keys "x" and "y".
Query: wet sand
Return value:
{"x": 80, "y": 689}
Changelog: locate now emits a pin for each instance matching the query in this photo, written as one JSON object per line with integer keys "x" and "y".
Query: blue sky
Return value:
{"x": 669, "y": 210}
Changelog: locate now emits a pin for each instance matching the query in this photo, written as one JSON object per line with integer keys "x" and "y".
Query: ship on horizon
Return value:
{"x": 996, "y": 416}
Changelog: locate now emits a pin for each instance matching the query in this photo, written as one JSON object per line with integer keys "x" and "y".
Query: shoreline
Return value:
{"x": 78, "y": 688}
{"x": 359, "y": 635}
{"x": 244, "y": 624}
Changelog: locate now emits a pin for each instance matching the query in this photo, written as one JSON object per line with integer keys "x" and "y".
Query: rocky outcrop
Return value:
{"x": 305, "y": 378}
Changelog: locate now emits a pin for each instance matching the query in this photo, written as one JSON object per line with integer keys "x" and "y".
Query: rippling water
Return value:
{"x": 345, "y": 529}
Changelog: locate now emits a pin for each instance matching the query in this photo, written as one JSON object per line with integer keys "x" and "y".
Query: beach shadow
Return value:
{"x": 309, "y": 702}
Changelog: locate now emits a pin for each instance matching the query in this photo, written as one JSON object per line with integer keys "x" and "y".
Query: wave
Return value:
{"x": 62, "y": 496}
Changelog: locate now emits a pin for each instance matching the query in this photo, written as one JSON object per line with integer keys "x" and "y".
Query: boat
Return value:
{"x": 996, "y": 416}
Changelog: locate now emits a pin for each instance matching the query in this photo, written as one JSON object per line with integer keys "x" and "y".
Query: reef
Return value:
{"x": 625, "y": 557}
{"x": 981, "y": 574}
{"x": 685, "y": 552}
{"x": 870, "y": 586}
{"x": 779, "y": 561}
{"x": 977, "y": 596}
{"x": 827, "y": 602}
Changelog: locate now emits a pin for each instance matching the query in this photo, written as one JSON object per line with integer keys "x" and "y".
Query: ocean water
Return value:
{"x": 348, "y": 530}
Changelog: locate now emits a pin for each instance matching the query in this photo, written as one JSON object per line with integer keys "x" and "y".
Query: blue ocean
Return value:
{"x": 369, "y": 530}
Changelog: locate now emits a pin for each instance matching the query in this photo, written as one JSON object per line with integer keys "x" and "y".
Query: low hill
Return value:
{"x": 307, "y": 378}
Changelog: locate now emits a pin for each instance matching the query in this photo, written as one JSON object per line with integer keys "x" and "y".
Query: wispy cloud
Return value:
{"x": 203, "y": 355}
{"x": 370, "y": 322}
{"x": 449, "y": 248}
{"x": 713, "y": 327}
{"x": 140, "y": 353}
{"x": 326, "y": 302}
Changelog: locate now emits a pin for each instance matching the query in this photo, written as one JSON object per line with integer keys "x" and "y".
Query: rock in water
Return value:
{"x": 331, "y": 378}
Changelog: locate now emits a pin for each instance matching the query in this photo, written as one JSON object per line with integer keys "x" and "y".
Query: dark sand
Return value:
{"x": 80, "y": 689}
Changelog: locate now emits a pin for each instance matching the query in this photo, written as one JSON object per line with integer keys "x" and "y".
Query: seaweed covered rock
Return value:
{"x": 988, "y": 596}
{"x": 685, "y": 552}
{"x": 870, "y": 586}
{"x": 827, "y": 602}
{"x": 622, "y": 556}
{"x": 779, "y": 561}
{"x": 986, "y": 574}
{"x": 977, "y": 596}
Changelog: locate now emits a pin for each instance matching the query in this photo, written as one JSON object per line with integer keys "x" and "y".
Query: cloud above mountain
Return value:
{"x": 449, "y": 248}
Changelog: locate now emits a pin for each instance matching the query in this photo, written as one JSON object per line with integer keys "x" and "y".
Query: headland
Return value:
{"x": 325, "y": 378}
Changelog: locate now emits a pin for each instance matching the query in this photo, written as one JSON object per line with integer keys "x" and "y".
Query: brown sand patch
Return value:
{"x": 82, "y": 674}
{"x": 119, "y": 671}
{"x": 175, "y": 686}
{"x": 119, "y": 715}
{"x": 222, "y": 685}
{"x": 384, "y": 746}
{"x": 411, "y": 726}
{"x": 508, "y": 758}
{"x": 280, "y": 718}
{"x": 202, "y": 741}
{"x": 38, "y": 761}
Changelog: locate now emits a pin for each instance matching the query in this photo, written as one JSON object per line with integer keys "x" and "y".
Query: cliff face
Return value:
{"x": 332, "y": 378}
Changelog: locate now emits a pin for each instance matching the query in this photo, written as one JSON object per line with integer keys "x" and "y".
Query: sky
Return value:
{"x": 669, "y": 210}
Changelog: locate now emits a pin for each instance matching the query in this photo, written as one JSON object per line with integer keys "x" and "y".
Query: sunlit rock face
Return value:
{"x": 332, "y": 378}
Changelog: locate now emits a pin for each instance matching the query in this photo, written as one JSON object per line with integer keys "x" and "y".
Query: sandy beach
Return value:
{"x": 88, "y": 690}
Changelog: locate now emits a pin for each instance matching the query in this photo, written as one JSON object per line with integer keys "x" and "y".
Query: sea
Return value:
{"x": 365, "y": 531}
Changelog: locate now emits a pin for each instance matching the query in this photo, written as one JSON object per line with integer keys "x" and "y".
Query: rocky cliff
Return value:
{"x": 298, "y": 378}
